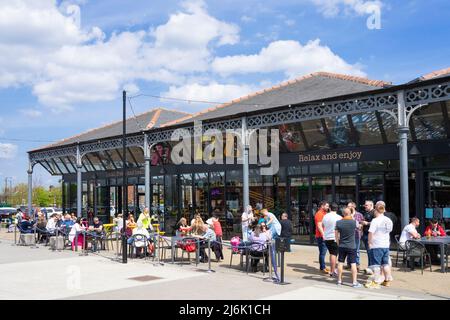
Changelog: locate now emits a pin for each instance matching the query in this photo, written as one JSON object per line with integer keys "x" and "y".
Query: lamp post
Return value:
{"x": 124, "y": 180}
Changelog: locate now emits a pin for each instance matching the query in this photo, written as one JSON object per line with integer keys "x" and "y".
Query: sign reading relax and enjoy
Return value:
{"x": 331, "y": 156}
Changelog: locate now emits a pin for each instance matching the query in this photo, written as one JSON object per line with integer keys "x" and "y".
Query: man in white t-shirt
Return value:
{"x": 379, "y": 240}
{"x": 410, "y": 231}
{"x": 329, "y": 226}
{"x": 247, "y": 218}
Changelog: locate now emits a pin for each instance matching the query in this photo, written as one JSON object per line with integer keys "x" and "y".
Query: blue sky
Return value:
{"x": 63, "y": 64}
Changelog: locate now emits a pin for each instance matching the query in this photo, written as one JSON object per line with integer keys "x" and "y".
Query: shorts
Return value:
{"x": 350, "y": 254}
{"x": 380, "y": 256}
{"x": 332, "y": 247}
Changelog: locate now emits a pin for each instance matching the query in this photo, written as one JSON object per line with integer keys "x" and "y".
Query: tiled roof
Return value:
{"x": 314, "y": 86}
{"x": 436, "y": 74}
{"x": 144, "y": 121}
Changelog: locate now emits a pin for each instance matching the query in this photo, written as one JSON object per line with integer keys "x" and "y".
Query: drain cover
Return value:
{"x": 145, "y": 278}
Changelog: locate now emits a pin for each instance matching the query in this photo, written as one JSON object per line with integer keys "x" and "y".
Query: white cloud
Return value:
{"x": 331, "y": 8}
{"x": 31, "y": 113}
{"x": 290, "y": 57}
{"x": 8, "y": 150}
{"x": 42, "y": 46}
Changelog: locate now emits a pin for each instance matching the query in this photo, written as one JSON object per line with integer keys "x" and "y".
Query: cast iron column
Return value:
{"x": 30, "y": 187}
{"x": 245, "y": 166}
{"x": 147, "y": 172}
{"x": 124, "y": 180}
{"x": 403, "y": 130}
{"x": 79, "y": 183}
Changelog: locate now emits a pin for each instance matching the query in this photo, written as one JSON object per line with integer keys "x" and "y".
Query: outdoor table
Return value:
{"x": 442, "y": 242}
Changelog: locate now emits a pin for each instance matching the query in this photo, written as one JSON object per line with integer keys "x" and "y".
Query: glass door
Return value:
{"x": 299, "y": 190}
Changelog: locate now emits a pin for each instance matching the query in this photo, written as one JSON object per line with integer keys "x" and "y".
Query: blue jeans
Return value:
{"x": 322, "y": 252}
{"x": 365, "y": 240}
{"x": 358, "y": 244}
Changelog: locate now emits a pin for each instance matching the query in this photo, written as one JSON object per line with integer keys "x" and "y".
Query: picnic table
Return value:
{"x": 442, "y": 242}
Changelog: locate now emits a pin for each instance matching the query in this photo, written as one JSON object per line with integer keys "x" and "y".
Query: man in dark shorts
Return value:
{"x": 345, "y": 238}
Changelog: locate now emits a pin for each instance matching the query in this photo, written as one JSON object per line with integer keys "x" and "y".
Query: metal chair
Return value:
{"x": 415, "y": 249}
{"x": 164, "y": 245}
{"x": 401, "y": 249}
{"x": 140, "y": 238}
{"x": 187, "y": 241}
{"x": 259, "y": 248}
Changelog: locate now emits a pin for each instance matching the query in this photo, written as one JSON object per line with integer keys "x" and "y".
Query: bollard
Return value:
{"x": 34, "y": 246}
{"x": 15, "y": 235}
{"x": 209, "y": 257}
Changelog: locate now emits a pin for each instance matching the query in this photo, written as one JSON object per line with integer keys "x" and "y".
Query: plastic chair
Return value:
{"x": 401, "y": 249}
{"x": 257, "y": 248}
{"x": 415, "y": 249}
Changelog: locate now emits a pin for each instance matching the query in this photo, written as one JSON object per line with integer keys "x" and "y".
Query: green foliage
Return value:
{"x": 42, "y": 197}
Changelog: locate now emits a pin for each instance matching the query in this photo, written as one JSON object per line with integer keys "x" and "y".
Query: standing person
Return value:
{"x": 218, "y": 231}
{"x": 318, "y": 217}
{"x": 246, "y": 218}
{"x": 286, "y": 227}
{"x": 346, "y": 241}
{"x": 274, "y": 226}
{"x": 379, "y": 241}
{"x": 329, "y": 227}
{"x": 368, "y": 216}
{"x": 359, "y": 218}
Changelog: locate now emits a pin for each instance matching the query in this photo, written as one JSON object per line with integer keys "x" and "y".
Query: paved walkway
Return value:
{"x": 27, "y": 273}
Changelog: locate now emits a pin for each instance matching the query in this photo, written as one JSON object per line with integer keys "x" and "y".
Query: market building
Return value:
{"x": 341, "y": 138}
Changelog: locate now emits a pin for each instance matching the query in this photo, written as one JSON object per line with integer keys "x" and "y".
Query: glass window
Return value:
{"x": 290, "y": 136}
{"x": 234, "y": 191}
{"x": 429, "y": 122}
{"x": 320, "y": 168}
{"x": 390, "y": 127}
{"x": 201, "y": 193}
{"x": 268, "y": 190}
{"x": 187, "y": 201}
{"x": 217, "y": 190}
{"x": 348, "y": 166}
{"x": 438, "y": 161}
{"x": 321, "y": 190}
{"x": 366, "y": 126}
{"x": 170, "y": 201}
{"x": 158, "y": 195}
{"x": 297, "y": 170}
{"x": 299, "y": 190}
{"x": 345, "y": 187}
{"x": 370, "y": 188}
{"x": 371, "y": 165}
{"x": 315, "y": 134}
{"x": 438, "y": 197}
{"x": 339, "y": 130}
{"x": 256, "y": 188}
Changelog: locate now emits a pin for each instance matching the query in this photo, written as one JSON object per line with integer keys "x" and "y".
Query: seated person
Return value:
{"x": 434, "y": 230}
{"x": 26, "y": 226}
{"x": 76, "y": 238}
{"x": 144, "y": 217}
{"x": 140, "y": 243}
{"x": 410, "y": 232}
{"x": 67, "y": 223}
{"x": 259, "y": 239}
{"x": 182, "y": 227}
{"x": 41, "y": 228}
{"x": 51, "y": 224}
{"x": 208, "y": 234}
{"x": 97, "y": 230}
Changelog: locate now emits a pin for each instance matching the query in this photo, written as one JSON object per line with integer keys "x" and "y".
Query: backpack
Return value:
{"x": 235, "y": 243}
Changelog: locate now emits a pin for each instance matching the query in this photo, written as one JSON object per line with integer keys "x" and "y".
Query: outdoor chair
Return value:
{"x": 138, "y": 238}
{"x": 164, "y": 245}
{"x": 241, "y": 250}
{"x": 256, "y": 251}
{"x": 416, "y": 250}
{"x": 184, "y": 244}
{"x": 111, "y": 238}
{"x": 401, "y": 249}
